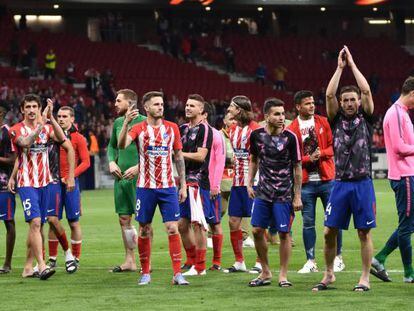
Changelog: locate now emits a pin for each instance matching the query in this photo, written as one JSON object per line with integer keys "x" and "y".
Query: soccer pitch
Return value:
{"x": 94, "y": 288}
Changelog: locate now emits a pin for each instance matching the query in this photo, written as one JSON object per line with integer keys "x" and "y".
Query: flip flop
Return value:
{"x": 284, "y": 284}
{"x": 360, "y": 288}
{"x": 47, "y": 273}
{"x": 4, "y": 270}
{"x": 33, "y": 275}
{"x": 118, "y": 269}
{"x": 71, "y": 266}
{"x": 259, "y": 282}
{"x": 319, "y": 287}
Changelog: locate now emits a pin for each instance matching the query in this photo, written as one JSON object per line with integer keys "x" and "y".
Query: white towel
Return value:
{"x": 197, "y": 212}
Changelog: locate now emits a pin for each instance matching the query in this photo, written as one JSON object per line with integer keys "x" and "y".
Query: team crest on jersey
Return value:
{"x": 279, "y": 146}
{"x": 193, "y": 136}
{"x": 165, "y": 136}
{"x": 244, "y": 138}
{"x": 42, "y": 136}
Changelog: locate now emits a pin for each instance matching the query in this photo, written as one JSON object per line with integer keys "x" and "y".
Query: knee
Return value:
{"x": 144, "y": 230}
{"x": 182, "y": 226}
{"x": 330, "y": 234}
{"x": 308, "y": 221}
{"x": 283, "y": 236}
{"x": 74, "y": 225}
{"x": 234, "y": 223}
{"x": 53, "y": 221}
{"x": 363, "y": 235}
{"x": 172, "y": 229}
{"x": 124, "y": 220}
{"x": 35, "y": 224}
{"x": 258, "y": 232}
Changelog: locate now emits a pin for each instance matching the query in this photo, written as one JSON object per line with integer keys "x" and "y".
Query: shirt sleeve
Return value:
{"x": 217, "y": 161}
{"x": 254, "y": 150}
{"x": 177, "y": 138}
{"x": 204, "y": 137}
{"x": 112, "y": 151}
{"x": 328, "y": 151}
{"x": 84, "y": 158}
{"x": 134, "y": 132}
{"x": 294, "y": 148}
{"x": 394, "y": 129}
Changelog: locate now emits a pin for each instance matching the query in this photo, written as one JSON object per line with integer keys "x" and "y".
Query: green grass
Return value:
{"x": 94, "y": 288}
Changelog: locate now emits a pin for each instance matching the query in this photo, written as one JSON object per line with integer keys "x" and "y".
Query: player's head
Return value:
{"x": 240, "y": 109}
{"x": 209, "y": 113}
{"x": 3, "y": 109}
{"x": 125, "y": 98}
{"x": 194, "y": 106}
{"x": 228, "y": 120}
{"x": 153, "y": 103}
{"x": 304, "y": 103}
{"x": 407, "y": 90}
{"x": 350, "y": 99}
{"x": 274, "y": 112}
{"x": 30, "y": 107}
{"x": 66, "y": 117}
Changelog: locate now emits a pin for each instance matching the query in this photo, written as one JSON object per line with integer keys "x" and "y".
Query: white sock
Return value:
{"x": 68, "y": 255}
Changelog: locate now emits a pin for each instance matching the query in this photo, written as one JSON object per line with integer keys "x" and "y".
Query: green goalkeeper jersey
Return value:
{"x": 125, "y": 158}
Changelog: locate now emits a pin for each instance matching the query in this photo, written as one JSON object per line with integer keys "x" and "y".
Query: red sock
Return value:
{"x": 217, "y": 245}
{"x": 76, "y": 248}
{"x": 200, "y": 264}
{"x": 175, "y": 252}
{"x": 53, "y": 248}
{"x": 237, "y": 244}
{"x": 191, "y": 255}
{"x": 63, "y": 241}
{"x": 144, "y": 250}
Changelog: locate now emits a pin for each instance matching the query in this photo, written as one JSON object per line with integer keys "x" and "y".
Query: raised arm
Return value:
{"x": 124, "y": 140}
{"x": 332, "y": 105}
{"x": 367, "y": 102}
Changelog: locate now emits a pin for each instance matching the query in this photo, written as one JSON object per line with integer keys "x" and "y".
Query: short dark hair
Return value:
{"x": 68, "y": 108}
{"x": 297, "y": 98}
{"x": 147, "y": 96}
{"x": 272, "y": 102}
{"x": 245, "y": 106}
{"x": 197, "y": 97}
{"x": 30, "y": 98}
{"x": 349, "y": 89}
{"x": 408, "y": 86}
{"x": 128, "y": 94}
{"x": 210, "y": 109}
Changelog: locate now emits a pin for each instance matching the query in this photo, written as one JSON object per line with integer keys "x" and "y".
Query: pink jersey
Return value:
{"x": 33, "y": 161}
{"x": 155, "y": 146}
{"x": 240, "y": 141}
{"x": 217, "y": 160}
{"x": 399, "y": 142}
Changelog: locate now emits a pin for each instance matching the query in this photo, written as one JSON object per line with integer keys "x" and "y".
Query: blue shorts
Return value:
{"x": 148, "y": 199}
{"x": 278, "y": 215}
{"x": 35, "y": 202}
{"x": 7, "y": 205}
{"x": 355, "y": 197}
{"x": 209, "y": 214}
{"x": 72, "y": 203}
{"x": 55, "y": 199}
{"x": 240, "y": 205}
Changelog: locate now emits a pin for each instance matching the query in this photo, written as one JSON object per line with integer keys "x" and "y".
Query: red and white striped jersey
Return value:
{"x": 155, "y": 146}
{"x": 33, "y": 161}
{"x": 240, "y": 141}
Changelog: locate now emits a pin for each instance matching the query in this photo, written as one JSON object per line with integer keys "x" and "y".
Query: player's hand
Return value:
{"x": 11, "y": 185}
{"x": 297, "y": 204}
{"x": 315, "y": 155}
{"x": 342, "y": 59}
{"x": 115, "y": 170}
{"x": 70, "y": 184}
{"x": 45, "y": 115}
{"x": 214, "y": 193}
{"x": 131, "y": 114}
{"x": 349, "y": 58}
{"x": 182, "y": 194}
{"x": 131, "y": 173}
{"x": 50, "y": 105}
{"x": 250, "y": 192}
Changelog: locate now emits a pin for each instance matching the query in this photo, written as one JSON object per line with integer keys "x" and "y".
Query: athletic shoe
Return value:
{"x": 215, "y": 267}
{"x": 248, "y": 242}
{"x": 185, "y": 266}
{"x": 178, "y": 279}
{"x": 309, "y": 267}
{"x": 209, "y": 243}
{"x": 51, "y": 263}
{"x": 193, "y": 272}
{"x": 257, "y": 269}
{"x": 236, "y": 267}
{"x": 338, "y": 264}
{"x": 410, "y": 279}
{"x": 378, "y": 270}
{"x": 145, "y": 279}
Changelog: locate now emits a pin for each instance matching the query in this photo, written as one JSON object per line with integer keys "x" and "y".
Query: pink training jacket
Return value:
{"x": 399, "y": 141}
{"x": 217, "y": 160}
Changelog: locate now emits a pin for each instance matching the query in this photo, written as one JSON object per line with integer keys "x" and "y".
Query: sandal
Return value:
{"x": 260, "y": 282}
{"x": 360, "y": 288}
{"x": 285, "y": 284}
{"x": 47, "y": 273}
{"x": 71, "y": 266}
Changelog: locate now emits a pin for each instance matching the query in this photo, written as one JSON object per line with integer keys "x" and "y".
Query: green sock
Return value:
{"x": 408, "y": 271}
{"x": 383, "y": 254}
